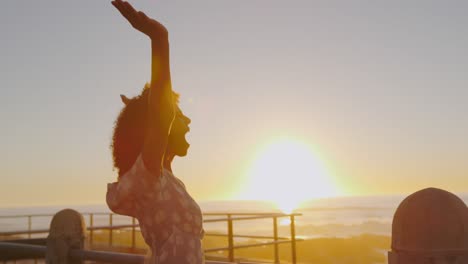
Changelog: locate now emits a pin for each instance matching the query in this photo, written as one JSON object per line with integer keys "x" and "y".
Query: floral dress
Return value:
{"x": 170, "y": 220}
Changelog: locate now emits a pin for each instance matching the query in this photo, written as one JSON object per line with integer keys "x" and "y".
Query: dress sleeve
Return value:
{"x": 133, "y": 189}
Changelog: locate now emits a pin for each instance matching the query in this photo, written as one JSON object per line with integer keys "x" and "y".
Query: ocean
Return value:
{"x": 332, "y": 217}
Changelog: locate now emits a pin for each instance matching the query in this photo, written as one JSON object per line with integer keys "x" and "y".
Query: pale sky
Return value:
{"x": 378, "y": 89}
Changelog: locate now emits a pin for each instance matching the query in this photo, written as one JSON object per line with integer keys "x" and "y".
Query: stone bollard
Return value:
{"x": 430, "y": 227}
{"x": 67, "y": 231}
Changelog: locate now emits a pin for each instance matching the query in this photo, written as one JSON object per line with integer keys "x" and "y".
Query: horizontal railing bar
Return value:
{"x": 218, "y": 262}
{"x": 45, "y": 215}
{"x": 16, "y": 251}
{"x": 25, "y": 216}
{"x": 246, "y": 236}
{"x": 111, "y": 227}
{"x": 29, "y": 241}
{"x": 265, "y": 216}
{"x": 215, "y": 220}
{"x": 261, "y": 214}
{"x": 96, "y": 213}
{"x": 216, "y": 249}
{"x": 252, "y": 245}
{"x": 41, "y": 231}
{"x": 238, "y": 218}
{"x": 205, "y": 214}
{"x": 110, "y": 257}
{"x": 266, "y": 243}
{"x": 239, "y": 260}
{"x": 24, "y": 232}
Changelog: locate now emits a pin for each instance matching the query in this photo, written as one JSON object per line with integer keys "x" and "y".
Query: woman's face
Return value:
{"x": 178, "y": 144}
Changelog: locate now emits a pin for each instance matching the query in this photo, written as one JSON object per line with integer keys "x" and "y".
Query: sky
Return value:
{"x": 376, "y": 90}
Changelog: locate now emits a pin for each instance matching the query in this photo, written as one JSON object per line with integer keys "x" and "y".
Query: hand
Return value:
{"x": 141, "y": 22}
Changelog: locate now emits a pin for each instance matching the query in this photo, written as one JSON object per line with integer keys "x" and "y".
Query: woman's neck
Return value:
{"x": 168, "y": 161}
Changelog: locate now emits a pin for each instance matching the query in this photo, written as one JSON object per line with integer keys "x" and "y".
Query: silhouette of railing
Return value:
{"x": 229, "y": 218}
{"x": 36, "y": 251}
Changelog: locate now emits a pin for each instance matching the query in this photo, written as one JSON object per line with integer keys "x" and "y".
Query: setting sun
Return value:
{"x": 288, "y": 173}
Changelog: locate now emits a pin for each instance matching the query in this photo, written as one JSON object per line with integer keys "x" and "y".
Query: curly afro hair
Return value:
{"x": 129, "y": 131}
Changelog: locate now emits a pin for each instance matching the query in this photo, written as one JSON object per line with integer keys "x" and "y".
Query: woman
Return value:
{"x": 149, "y": 133}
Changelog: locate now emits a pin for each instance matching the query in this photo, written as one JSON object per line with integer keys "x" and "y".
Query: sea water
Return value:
{"x": 333, "y": 217}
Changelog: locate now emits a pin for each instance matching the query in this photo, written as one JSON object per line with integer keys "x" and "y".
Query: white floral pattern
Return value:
{"x": 170, "y": 220}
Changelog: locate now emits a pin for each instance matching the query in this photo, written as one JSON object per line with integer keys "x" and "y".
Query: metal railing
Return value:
{"x": 16, "y": 251}
{"x": 229, "y": 218}
{"x": 276, "y": 240}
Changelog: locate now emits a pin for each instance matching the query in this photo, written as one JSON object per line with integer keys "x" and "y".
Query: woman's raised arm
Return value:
{"x": 160, "y": 105}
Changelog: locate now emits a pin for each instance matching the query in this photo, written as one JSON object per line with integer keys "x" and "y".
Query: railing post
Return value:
{"x": 110, "y": 229}
{"x": 67, "y": 231}
{"x": 133, "y": 232}
{"x": 29, "y": 226}
{"x": 275, "y": 235}
{"x": 293, "y": 240}
{"x": 91, "y": 231}
{"x": 29, "y": 231}
{"x": 230, "y": 239}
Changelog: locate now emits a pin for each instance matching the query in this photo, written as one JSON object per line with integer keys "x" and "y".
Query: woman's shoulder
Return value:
{"x": 140, "y": 170}
{"x": 140, "y": 178}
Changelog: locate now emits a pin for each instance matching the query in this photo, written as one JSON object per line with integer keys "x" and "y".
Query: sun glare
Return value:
{"x": 288, "y": 173}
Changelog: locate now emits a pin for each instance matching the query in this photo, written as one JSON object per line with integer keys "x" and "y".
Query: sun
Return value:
{"x": 288, "y": 173}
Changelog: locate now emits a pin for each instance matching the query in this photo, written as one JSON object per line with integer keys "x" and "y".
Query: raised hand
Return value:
{"x": 141, "y": 22}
